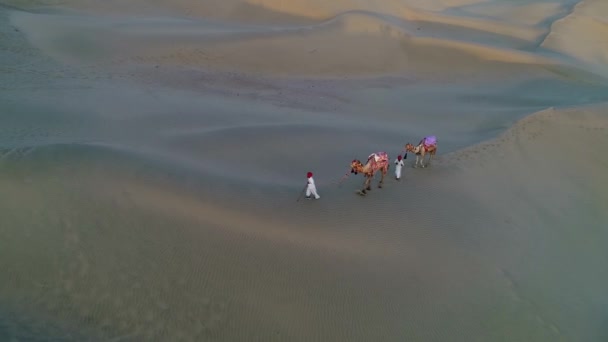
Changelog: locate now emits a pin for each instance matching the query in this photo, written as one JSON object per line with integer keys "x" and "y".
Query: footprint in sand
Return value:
{"x": 83, "y": 264}
{"x": 133, "y": 314}
{"x": 85, "y": 313}
{"x": 162, "y": 305}
{"x": 117, "y": 303}
{"x": 198, "y": 328}
{"x": 136, "y": 286}
{"x": 105, "y": 323}
{"x": 68, "y": 285}
{"x": 124, "y": 325}
{"x": 149, "y": 316}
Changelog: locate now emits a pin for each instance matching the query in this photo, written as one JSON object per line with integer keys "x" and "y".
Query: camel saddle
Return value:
{"x": 376, "y": 158}
{"x": 429, "y": 143}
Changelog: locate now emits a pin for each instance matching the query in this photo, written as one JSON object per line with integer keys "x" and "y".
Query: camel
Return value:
{"x": 426, "y": 145}
{"x": 378, "y": 161}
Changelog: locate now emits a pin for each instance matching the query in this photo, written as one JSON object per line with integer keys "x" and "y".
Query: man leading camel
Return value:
{"x": 399, "y": 165}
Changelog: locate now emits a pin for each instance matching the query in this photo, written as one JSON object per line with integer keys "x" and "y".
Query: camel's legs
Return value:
{"x": 367, "y": 184}
{"x": 382, "y": 179}
{"x": 430, "y": 158}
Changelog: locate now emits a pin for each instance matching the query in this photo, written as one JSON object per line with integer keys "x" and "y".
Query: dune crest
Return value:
{"x": 583, "y": 34}
{"x": 353, "y": 43}
{"x": 320, "y": 38}
{"x": 528, "y": 14}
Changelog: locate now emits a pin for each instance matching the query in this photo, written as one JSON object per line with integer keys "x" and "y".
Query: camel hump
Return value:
{"x": 382, "y": 155}
{"x": 378, "y": 156}
{"x": 430, "y": 140}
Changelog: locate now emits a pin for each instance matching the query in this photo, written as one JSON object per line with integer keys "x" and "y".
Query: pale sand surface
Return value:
{"x": 152, "y": 153}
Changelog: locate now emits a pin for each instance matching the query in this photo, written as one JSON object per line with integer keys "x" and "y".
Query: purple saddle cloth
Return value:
{"x": 431, "y": 140}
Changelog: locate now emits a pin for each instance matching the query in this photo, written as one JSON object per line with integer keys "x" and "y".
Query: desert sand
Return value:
{"x": 151, "y": 155}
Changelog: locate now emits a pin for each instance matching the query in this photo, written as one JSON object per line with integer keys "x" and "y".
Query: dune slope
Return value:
{"x": 152, "y": 154}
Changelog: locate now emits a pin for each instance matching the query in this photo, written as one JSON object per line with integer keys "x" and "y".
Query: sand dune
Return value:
{"x": 567, "y": 180}
{"x": 583, "y": 34}
{"x": 366, "y": 45}
{"x": 151, "y": 155}
{"x": 527, "y": 14}
{"x": 422, "y": 13}
{"x": 344, "y": 37}
{"x": 434, "y": 259}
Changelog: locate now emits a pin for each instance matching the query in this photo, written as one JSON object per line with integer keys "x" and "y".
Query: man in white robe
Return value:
{"x": 311, "y": 189}
{"x": 399, "y": 165}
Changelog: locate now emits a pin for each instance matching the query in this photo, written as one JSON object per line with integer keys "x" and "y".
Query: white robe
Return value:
{"x": 399, "y": 164}
{"x": 312, "y": 189}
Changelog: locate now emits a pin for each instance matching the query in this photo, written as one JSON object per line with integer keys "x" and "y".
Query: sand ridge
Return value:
{"x": 393, "y": 44}
{"x": 587, "y": 20}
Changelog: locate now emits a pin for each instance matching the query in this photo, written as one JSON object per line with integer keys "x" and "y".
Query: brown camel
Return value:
{"x": 378, "y": 161}
{"x": 426, "y": 145}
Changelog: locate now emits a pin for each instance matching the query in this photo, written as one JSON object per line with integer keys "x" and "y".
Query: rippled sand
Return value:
{"x": 151, "y": 155}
